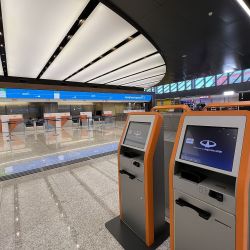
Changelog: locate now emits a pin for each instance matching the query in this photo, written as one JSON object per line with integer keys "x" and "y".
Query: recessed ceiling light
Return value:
{"x": 81, "y": 21}
{"x": 1, "y": 45}
{"x": 184, "y": 56}
{"x": 210, "y": 13}
{"x": 1, "y": 33}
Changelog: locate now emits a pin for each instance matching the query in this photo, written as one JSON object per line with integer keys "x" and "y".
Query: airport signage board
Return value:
{"x": 72, "y": 95}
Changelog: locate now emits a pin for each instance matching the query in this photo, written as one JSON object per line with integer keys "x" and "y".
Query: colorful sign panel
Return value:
{"x": 72, "y": 95}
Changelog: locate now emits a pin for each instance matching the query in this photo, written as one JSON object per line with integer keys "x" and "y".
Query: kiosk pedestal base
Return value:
{"x": 129, "y": 240}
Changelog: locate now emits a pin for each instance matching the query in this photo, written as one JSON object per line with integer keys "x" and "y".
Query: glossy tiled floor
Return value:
{"x": 40, "y": 144}
{"x": 63, "y": 208}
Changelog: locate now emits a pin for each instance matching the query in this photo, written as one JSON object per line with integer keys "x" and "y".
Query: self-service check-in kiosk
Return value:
{"x": 209, "y": 182}
{"x": 171, "y": 118}
{"x": 141, "y": 175}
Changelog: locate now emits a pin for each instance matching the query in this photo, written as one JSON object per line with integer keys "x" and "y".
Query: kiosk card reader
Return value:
{"x": 141, "y": 175}
{"x": 209, "y": 182}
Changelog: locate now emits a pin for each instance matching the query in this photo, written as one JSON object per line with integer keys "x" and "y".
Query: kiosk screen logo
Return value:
{"x": 216, "y": 150}
{"x": 208, "y": 144}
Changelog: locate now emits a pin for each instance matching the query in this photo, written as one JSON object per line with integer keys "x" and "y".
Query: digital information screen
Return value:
{"x": 137, "y": 134}
{"x": 210, "y": 146}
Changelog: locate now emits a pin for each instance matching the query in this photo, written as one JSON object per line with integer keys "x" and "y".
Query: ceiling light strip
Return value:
{"x": 143, "y": 85}
{"x": 135, "y": 61}
{"x": 77, "y": 24}
{"x": 105, "y": 54}
{"x": 2, "y": 46}
{"x": 143, "y": 71}
{"x": 124, "y": 84}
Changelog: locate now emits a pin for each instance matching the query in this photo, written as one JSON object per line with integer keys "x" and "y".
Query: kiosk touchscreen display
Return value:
{"x": 137, "y": 134}
{"x": 210, "y": 146}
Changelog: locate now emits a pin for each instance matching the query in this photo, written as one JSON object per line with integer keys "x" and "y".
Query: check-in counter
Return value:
{"x": 86, "y": 119}
{"x": 12, "y": 124}
{"x": 57, "y": 120}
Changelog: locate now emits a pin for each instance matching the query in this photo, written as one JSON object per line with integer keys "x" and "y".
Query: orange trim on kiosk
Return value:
{"x": 148, "y": 184}
{"x": 241, "y": 228}
{"x": 228, "y": 104}
{"x": 183, "y": 107}
{"x": 119, "y": 164}
{"x": 148, "y": 173}
{"x": 1, "y": 127}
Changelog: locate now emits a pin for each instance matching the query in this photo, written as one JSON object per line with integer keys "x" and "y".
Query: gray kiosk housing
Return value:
{"x": 132, "y": 172}
{"x": 205, "y": 193}
{"x": 170, "y": 124}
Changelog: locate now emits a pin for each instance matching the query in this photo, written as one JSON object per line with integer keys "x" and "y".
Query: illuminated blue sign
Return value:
{"x": 72, "y": 95}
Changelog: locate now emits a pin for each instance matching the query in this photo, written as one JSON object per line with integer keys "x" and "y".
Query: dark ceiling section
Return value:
{"x": 78, "y": 23}
{"x": 2, "y": 46}
{"x": 105, "y": 54}
{"x": 197, "y": 38}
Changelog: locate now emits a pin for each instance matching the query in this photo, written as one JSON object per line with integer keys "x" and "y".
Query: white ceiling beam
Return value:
{"x": 131, "y": 51}
{"x": 144, "y": 64}
{"x": 147, "y": 74}
{"x": 102, "y": 30}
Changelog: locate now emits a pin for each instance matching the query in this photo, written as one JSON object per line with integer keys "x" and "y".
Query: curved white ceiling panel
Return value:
{"x": 1, "y": 69}
{"x": 147, "y": 63}
{"x": 154, "y": 80}
{"x": 131, "y": 51}
{"x": 33, "y": 29}
{"x": 102, "y": 30}
{"x": 143, "y": 75}
{"x": 145, "y": 85}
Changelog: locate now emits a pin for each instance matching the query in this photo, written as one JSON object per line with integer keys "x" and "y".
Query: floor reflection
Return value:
{"x": 36, "y": 144}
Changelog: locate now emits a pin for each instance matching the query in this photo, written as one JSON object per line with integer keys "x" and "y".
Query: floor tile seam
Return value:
{"x": 104, "y": 174}
{"x": 1, "y": 197}
{"x": 62, "y": 213}
{"x": 17, "y": 218}
{"x": 89, "y": 234}
{"x": 92, "y": 194}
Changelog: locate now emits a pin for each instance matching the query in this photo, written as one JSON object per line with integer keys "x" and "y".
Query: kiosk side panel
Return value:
{"x": 249, "y": 216}
{"x": 159, "y": 188}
